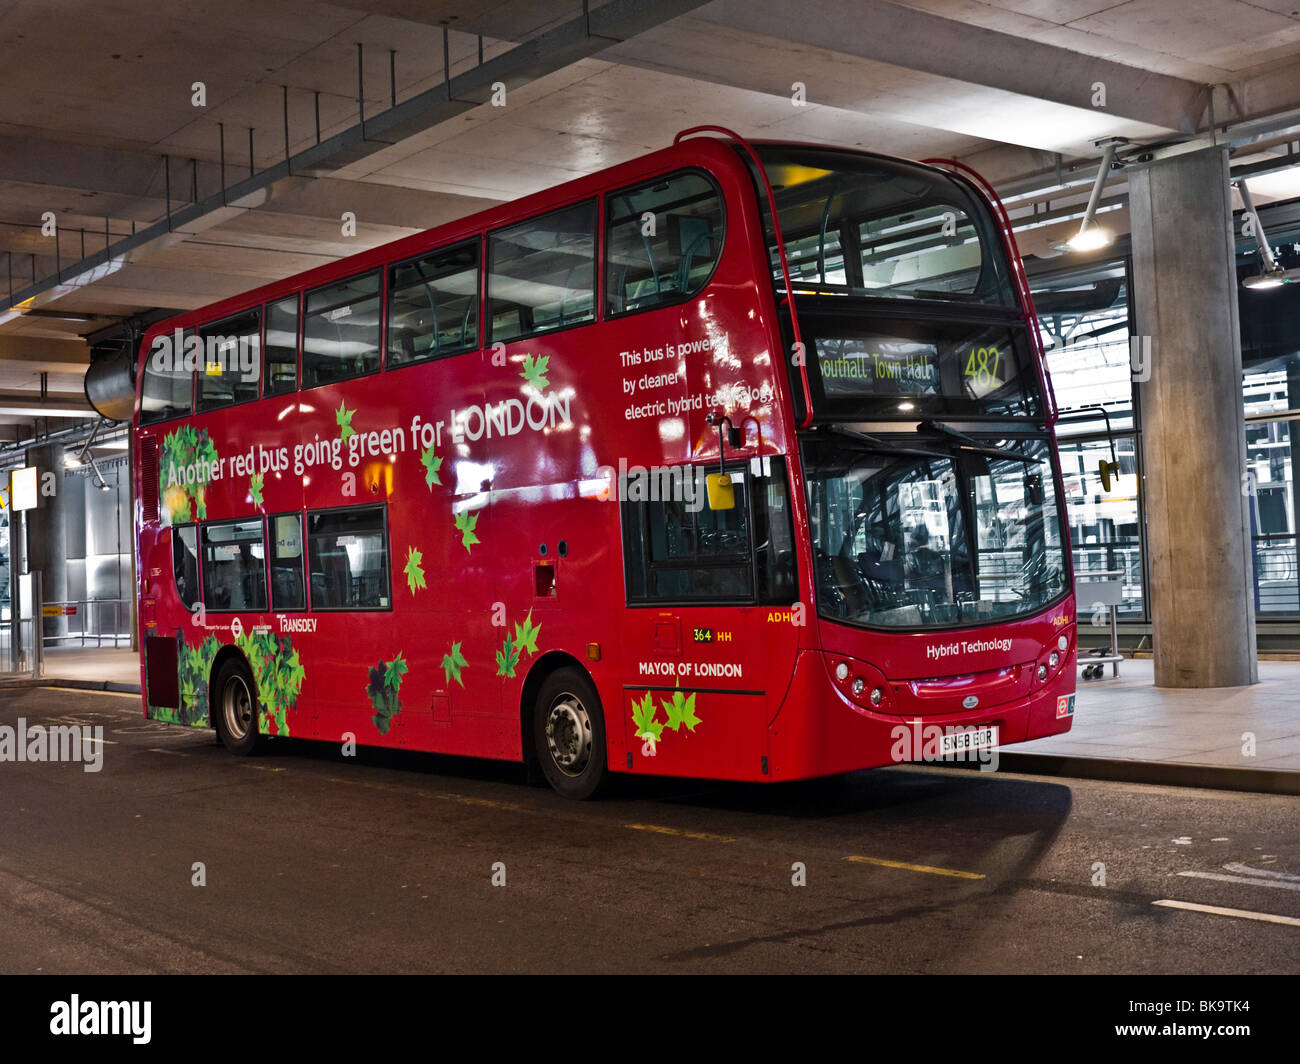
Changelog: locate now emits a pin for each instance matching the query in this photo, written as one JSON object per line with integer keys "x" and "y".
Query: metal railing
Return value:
{"x": 89, "y": 620}
{"x": 1277, "y": 589}
{"x": 24, "y": 654}
{"x": 21, "y": 663}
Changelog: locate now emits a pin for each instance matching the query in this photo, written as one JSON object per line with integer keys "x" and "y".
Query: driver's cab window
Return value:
{"x": 678, "y": 549}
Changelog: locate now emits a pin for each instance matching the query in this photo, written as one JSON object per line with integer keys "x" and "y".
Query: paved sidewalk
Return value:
{"x": 119, "y": 666}
{"x": 1130, "y": 719}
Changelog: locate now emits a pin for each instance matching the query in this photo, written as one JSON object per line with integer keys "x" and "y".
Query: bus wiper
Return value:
{"x": 877, "y": 444}
{"x": 968, "y": 443}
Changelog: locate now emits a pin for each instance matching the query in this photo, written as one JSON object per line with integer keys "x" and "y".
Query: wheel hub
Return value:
{"x": 568, "y": 734}
{"x": 237, "y": 707}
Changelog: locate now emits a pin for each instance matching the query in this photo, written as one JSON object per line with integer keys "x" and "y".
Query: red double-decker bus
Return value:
{"x": 733, "y": 461}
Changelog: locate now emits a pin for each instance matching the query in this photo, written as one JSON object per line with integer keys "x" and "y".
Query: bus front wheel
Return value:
{"x": 234, "y": 708}
{"x": 569, "y": 734}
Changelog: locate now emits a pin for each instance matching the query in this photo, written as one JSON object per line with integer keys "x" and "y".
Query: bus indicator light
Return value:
{"x": 593, "y": 651}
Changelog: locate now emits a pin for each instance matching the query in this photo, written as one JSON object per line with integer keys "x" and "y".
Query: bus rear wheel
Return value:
{"x": 234, "y": 708}
{"x": 569, "y": 734}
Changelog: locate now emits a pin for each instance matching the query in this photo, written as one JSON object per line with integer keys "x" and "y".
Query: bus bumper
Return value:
{"x": 820, "y": 732}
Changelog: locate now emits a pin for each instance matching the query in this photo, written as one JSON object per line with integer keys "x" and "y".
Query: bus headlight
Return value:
{"x": 1054, "y": 660}
{"x": 876, "y": 696}
{"x": 1042, "y": 672}
{"x": 858, "y": 686}
{"x": 842, "y": 671}
{"x": 1062, "y": 643}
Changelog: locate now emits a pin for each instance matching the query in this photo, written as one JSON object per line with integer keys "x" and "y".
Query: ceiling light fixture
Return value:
{"x": 1272, "y": 274}
{"x": 1091, "y": 236}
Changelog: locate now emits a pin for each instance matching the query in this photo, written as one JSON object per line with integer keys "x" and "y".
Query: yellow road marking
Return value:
{"x": 1218, "y": 910}
{"x": 881, "y": 862}
{"x": 465, "y": 799}
{"x": 660, "y": 830}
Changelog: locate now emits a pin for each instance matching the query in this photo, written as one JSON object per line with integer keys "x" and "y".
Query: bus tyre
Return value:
{"x": 569, "y": 734}
{"x": 234, "y": 708}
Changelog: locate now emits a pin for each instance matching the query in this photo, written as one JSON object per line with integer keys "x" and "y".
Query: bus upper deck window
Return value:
{"x": 230, "y": 362}
{"x": 433, "y": 305}
{"x": 542, "y": 273}
{"x": 340, "y": 336}
{"x": 281, "y": 347}
{"x": 168, "y": 387}
{"x": 662, "y": 242}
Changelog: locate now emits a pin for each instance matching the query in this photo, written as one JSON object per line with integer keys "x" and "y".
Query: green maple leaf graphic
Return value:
{"x": 343, "y": 418}
{"x": 453, "y": 662}
{"x": 383, "y": 688}
{"x": 507, "y": 658}
{"x": 643, "y": 716}
{"x": 535, "y": 370}
{"x": 465, "y": 524}
{"x": 681, "y": 710}
{"x": 414, "y": 570}
{"x": 393, "y": 675}
{"x": 432, "y": 463}
{"x": 255, "y": 484}
{"x": 526, "y": 635}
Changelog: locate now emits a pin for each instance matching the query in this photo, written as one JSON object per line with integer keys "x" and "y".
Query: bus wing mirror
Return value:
{"x": 722, "y": 492}
{"x": 1106, "y": 470}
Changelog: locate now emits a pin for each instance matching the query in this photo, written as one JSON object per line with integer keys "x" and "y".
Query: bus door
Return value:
{"x": 706, "y": 663}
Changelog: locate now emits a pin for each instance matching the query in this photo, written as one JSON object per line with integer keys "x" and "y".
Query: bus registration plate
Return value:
{"x": 963, "y": 740}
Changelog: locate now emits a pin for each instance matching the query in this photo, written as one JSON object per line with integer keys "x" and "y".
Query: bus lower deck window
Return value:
{"x": 234, "y": 566}
{"x": 348, "y": 559}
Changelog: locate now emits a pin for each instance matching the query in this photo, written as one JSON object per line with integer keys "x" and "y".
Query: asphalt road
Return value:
{"x": 315, "y": 862}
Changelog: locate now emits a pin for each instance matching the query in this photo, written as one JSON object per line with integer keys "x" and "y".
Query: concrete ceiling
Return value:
{"x": 98, "y": 95}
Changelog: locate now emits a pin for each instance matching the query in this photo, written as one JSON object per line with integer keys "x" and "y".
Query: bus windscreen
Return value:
{"x": 863, "y": 225}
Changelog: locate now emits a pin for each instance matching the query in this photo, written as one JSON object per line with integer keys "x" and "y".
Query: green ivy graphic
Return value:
{"x": 432, "y": 463}
{"x": 279, "y": 675}
{"x": 343, "y": 419}
{"x": 255, "y": 484}
{"x": 414, "y": 570}
{"x": 184, "y": 500}
{"x": 535, "y": 370}
{"x": 452, "y": 662}
{"x": 385, "y": 683}
{"x": 643, "y": 716}
{"x": 465, "y": 525}
{"x": 194, "y": 669}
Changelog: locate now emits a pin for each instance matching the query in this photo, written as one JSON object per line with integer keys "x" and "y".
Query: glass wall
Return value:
{"x": 1086, "y": 326}
{"x": 1085, "y": 322}
{"x": 1270, "y": 356}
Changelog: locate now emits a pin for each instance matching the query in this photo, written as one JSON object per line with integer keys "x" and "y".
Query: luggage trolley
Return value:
{"x": 1102, "y": 588}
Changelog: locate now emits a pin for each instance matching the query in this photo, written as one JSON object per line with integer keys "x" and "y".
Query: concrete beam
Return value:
{"x": 586, "y": 35}
{"x": 56, "y": 404}
{"x": 918, "y": 40}
{"x": 35, "y": 349}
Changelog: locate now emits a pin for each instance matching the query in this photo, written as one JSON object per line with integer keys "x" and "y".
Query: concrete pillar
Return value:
{"x": 1193, "y": 433}
{"x": 47, "y": 534}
